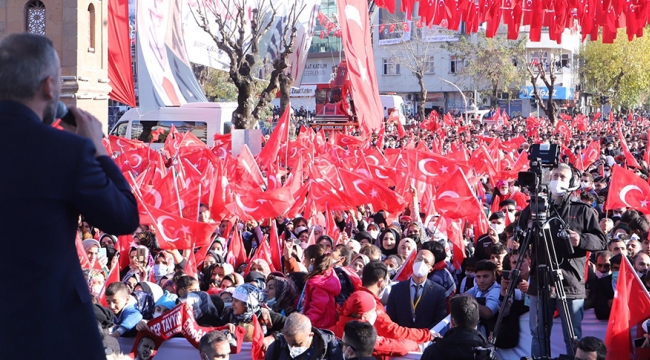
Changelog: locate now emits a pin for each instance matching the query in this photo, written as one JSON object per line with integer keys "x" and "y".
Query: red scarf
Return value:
{"x": 440, "y": 266}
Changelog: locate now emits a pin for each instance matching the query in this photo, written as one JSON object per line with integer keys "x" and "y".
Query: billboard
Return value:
{"x": 202, "y": 49}
{"x": 165, "y": 75}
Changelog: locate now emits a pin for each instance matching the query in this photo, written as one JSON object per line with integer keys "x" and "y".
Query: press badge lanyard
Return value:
{"x": 415, "y": 305}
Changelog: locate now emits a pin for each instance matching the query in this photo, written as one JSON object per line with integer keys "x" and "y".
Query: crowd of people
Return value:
{"x": 327, "y": 284}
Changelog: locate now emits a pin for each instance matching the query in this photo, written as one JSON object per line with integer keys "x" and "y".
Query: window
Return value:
{"x": 142, "y": 129}
{"x": 120, "y": 129}
{"x": 35, "y": 21}
{"x": 391, "y": 67}
{"x": 456, "y": 64}
{"x": 91, "y": 28}
{"x": 428, "y": 63}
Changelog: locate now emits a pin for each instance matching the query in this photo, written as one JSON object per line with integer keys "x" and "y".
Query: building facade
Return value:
{"x": 393, "y": 37}
{"x": 79, "y": 33}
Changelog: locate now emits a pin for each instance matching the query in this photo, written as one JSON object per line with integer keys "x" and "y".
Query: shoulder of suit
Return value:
{"x": 580, "y": 203}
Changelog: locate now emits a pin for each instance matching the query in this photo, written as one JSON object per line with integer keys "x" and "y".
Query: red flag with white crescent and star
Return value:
{"x": 174, "y": 232}
{"x": 628, "y": 190}
{"x": 355, "y": 36}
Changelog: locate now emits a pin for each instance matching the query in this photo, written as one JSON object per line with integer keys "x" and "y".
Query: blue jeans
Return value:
{"x": 576, "y": 313}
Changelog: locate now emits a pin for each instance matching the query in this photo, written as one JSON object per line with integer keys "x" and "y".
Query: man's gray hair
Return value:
{"x": 25, "y": 61}
{"x": 213, "y": 337}
{"x": 563, "y": 167}
{"x": 296, "y": 323}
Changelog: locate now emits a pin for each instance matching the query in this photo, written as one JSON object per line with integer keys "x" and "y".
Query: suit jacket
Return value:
{"x": 604, "y": 292}
{"x": 48, "y": 178}
{"x": 431, "y": 309}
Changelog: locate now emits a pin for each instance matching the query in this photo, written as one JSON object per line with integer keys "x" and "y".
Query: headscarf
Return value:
{"x": 285, "y": 296}
{"x": 411, "y": 241}
{"x": 90, "y": 275}
{"x": 250, "y": 295}
{"x": 380, "y": 241}
{"x": 363, "y": 258}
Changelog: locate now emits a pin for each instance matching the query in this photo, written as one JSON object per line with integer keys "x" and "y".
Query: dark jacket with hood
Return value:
{"x": 456, "y": 344}
{"x": 324, "y": 346}
{"x": 581, "y": 219}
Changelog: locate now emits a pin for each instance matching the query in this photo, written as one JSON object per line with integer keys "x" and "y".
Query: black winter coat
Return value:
{"x": 456, "y": 344}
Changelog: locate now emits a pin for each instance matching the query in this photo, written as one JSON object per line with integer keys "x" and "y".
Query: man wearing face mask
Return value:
{"x": 300, "y": 341}
{"x": 426, "y": 304}
{"x": 494, "y": 235}
{"x": 584, "y": 235}
{"x": 605, "y": 289}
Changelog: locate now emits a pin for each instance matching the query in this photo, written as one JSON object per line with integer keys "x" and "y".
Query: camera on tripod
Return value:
{"x": 543, "y": 158}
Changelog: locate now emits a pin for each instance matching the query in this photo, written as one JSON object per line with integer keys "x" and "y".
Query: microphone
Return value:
{"x": 64, "y": 114}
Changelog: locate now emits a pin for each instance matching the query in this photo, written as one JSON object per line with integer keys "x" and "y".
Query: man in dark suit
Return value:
{"x": 425, "y": 306}
{"x": 49, "y": 177}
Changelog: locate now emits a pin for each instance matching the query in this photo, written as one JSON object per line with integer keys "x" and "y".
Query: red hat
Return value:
{"x": 360, "y": 302}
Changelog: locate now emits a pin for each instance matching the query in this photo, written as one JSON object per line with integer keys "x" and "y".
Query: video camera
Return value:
{"x": 543, "y": 158}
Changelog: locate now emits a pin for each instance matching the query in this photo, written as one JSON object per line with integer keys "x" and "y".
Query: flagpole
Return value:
{"x": 178, "y": 195}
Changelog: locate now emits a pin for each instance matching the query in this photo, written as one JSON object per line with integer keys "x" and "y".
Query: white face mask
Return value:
{"x": 420, "y": 269}
{"x": 227, "y": 304}
{"x": 374, "y": 233}
{"x": 607, "y": 173}
{"x": 558, "y": 188}
{"x": 156, "y": 314}
{"x": 294, "y": 352}
{"x": 504, "y": 192}
{"x": 498, "y": 228}
{"x": 159, "y": 270}
{"x": 97, "y": 289}
{"x": 304, "y": 245}
{"x": 601, "y": 274}
{"x": 584, "y": 185}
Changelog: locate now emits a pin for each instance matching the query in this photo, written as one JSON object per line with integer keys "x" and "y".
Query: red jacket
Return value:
{"x": 384, "y": 347}
{"x": 389, "y": 329}
{"x": 318, "y": 302}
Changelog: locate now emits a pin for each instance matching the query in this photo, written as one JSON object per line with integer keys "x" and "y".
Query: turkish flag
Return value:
{"x": 247, "y": 172}
{"x": 629, "y": 158}
{"x": 278, "y": 137}
{"x": 113, "y": 276}
{"x": 173, "y": 141}
{"x": 455, "y": 235}
{"x": 237, "y": 249}
{"x": 262, "y": 252}
{"x": 174, "y": 232}
{"x": 563, "y": 129}
{"x": 275, "y": 246}
{"x": 365, "y": 191}
{"x": 355, "y": 35}
{"x": 628, "y": 190}
{"x": 631, "y": 305}
{"x": 257, "y": 351}
{"x": 455, "y": 198}
{"x": 429, "y": 167}
{"x": 590, "y": 155}
{"x": 122, "y": 145}
{"x": 406, "y": 270}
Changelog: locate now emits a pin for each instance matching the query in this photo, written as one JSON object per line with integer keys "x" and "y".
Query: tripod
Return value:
{"x": 549, "y": 275}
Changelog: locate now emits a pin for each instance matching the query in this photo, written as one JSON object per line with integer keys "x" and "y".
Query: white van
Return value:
{"x": 202, "y": 119}
{"x": 393, "y": 102}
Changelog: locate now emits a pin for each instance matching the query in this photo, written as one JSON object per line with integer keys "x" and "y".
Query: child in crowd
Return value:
{"x": 122, "y": 304}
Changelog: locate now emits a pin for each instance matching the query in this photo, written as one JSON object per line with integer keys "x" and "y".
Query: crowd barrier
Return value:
{"x": 179, "y": 348}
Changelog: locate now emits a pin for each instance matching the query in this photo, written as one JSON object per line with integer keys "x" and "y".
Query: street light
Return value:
{"x": 457, "y": 88}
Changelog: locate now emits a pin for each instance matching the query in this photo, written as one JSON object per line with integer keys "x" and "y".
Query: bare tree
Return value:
{"x": 416, "y": 55}
{"x": 537, "y": 72}
{"x": 237, "y": 32}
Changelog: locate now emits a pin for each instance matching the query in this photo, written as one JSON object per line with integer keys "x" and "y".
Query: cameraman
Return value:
{"x": 584, "y": 235}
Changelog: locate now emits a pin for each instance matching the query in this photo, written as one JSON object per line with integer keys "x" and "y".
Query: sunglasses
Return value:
{"x": 603, "y": 266}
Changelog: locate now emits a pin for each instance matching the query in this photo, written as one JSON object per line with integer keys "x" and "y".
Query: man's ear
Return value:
{"x": 48, "y": 87}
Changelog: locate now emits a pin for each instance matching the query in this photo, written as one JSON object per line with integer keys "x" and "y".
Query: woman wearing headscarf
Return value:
{"x": 504, "y": 191}
{"x": 246, "y": 302}
{"x": 387, "y": 242}
{"x": 358, "y": 263}
{"x": 281, "y": 295}
{"x": 95, "y": 279}
{"x": 317, "y": 300}
{"x": 405, "y": 248}
{"x": 138, "y": 269}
